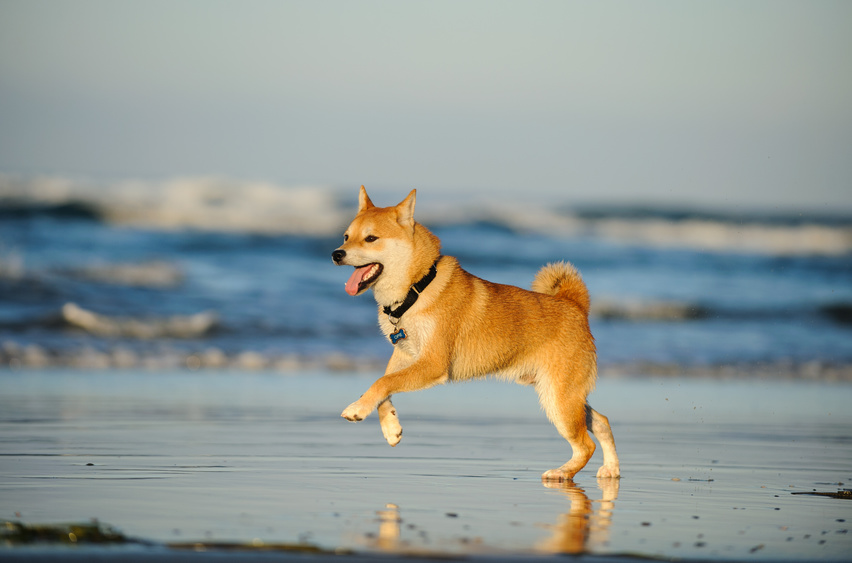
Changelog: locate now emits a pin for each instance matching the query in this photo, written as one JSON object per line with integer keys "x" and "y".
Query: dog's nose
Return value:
{"x": 338, "y": 255}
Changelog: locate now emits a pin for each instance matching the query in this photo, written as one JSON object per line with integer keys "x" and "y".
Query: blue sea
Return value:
{"x": 217, "y": 273}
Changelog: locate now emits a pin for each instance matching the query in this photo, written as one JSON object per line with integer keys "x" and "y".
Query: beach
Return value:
{"x": 185, "y": 463}
{"x": 175, "y": 356}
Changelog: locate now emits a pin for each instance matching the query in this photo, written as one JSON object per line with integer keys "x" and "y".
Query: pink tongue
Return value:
{"x": 355, "y": 279}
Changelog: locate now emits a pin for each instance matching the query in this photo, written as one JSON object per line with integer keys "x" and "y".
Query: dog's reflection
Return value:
{"x": 585, "y": 526}
{"x": 583, "y": 529}
{"x": 389, "y": 520}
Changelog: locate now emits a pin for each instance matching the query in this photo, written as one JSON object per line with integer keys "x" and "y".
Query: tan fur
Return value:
{"x": 464, "y": 327}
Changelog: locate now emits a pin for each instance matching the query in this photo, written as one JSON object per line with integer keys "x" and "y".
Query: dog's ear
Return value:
{"x": 364, "y": 202}
{"x": 405, "y": 210}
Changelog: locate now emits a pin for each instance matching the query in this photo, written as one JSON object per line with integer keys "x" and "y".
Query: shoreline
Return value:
{"x": 14, "y": 356}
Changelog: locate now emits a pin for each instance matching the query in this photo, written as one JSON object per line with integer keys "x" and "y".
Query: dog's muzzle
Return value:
{"x": 338, "y": 256}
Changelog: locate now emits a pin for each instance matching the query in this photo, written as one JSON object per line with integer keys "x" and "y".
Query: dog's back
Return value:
{"x": 511, "y": 332}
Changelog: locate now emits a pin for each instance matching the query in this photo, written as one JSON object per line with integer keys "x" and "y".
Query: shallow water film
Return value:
{"x": 719, "y": 470}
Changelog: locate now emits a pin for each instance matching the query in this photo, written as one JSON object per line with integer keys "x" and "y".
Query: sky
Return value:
{"x": 727, "y": 104}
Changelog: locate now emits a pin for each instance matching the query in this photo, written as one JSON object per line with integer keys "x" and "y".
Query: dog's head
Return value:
{"x": 378, "y": 243}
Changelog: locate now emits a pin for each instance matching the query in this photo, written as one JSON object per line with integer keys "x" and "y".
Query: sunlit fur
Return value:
{"x": 465, "y": 327}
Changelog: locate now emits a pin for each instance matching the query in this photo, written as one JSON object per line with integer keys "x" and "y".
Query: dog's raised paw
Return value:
{"x": 392, "y": 433}
{"x": 354, "y": 412}
{"x": 394, "y": 439}
{"x": 391, "y": 428}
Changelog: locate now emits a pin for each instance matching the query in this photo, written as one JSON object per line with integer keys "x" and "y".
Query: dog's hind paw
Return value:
{"x": 609, "y": 472}
{"x": 556, "y": 476}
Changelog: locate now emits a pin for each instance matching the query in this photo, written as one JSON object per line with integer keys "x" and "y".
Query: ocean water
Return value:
{"x": 204, "y": 272}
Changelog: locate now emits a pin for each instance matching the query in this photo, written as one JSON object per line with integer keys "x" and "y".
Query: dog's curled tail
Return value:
{"x": 561, "y": 279}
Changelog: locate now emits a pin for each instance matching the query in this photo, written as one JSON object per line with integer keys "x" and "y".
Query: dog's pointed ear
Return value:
{"x": 364, "y": 202}
{"x": 405, "y": 210}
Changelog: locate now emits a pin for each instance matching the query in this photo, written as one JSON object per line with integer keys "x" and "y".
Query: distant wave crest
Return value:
{"x": 211, "y": 204}
{"x": 716, "y": 232}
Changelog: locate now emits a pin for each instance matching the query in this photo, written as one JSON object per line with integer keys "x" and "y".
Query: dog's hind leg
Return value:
{"x": 566, "y": 409}
{"x": 391, "y": 429}
{"x": 598, "y": 425}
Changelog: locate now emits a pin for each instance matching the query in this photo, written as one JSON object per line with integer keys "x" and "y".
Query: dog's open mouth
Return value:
{"x": 363, "y": 277}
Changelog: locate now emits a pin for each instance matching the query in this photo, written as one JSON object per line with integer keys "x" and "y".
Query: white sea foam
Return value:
{"x": 217, "y": 204}
{"x": 33, "y": 356}
{"x": 721, "y": 236}
{"x": 191, "y": 326}
{"x": 120, "y": 356}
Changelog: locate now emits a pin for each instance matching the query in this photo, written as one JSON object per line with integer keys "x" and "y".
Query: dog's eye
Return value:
{"x": 371, "y": 238}
{"x": 345, "y": 238}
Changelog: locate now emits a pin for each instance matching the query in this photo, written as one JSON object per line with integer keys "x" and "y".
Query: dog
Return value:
{"x": 448, "y": 325}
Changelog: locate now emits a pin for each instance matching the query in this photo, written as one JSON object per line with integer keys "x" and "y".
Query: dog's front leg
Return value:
{"x": 387, "y": 413}
{"x": 389, "y": 421}
{"x": 420, "y": 375}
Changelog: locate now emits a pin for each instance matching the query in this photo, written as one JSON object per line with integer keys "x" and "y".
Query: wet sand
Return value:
{"x": 712, "y": 470}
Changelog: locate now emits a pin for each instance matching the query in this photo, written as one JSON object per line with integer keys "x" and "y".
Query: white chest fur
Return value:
{"x": 418, "y": 332}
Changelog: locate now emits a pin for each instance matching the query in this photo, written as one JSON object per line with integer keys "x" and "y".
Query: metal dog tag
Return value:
{"x": 397, "y": 336}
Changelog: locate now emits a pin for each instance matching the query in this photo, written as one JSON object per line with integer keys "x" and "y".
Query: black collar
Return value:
{"x": 413, "y": 294}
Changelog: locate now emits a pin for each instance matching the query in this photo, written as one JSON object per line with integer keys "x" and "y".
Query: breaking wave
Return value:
{"x": 216, "y": 204}
{"x": 694, "y": 230}
{"x": 209, "y": 204}
{"x": 189, "y": 326}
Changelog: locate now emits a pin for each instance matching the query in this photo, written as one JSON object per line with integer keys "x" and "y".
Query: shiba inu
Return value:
{"x": 449, "y": 325}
